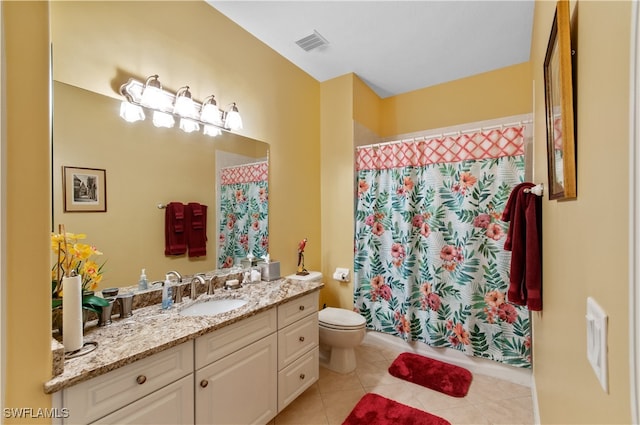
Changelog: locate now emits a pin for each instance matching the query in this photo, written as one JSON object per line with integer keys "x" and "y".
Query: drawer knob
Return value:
{"x": 141, "y": 379}
{"x": 301, "y": 307}
{"x": 301, "y": 339}
{"x": 204, "y": 383}
{"x": 302, "y": 376}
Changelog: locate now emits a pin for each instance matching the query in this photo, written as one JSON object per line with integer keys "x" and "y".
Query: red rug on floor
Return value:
{"x": 373, "y": 409}
{"x": 436, "y": 375}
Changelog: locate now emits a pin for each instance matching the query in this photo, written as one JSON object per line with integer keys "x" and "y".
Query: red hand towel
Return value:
{"x": 524, "y": 240}
{"x": 175, "y": 237}
{"x": 197, "y": 236}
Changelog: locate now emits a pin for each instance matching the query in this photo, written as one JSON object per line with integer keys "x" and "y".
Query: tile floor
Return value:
{"x": 330, "y": 400}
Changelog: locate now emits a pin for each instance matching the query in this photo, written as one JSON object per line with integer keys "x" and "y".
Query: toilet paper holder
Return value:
{"x": 341, "y": 274}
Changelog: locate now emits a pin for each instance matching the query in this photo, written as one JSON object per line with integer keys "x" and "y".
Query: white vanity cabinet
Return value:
{"x": 298, "y": 366}
{"x": 236, "y": 372}
{"x": 243, "y": 373}
{"x": 154, "y": 390}
{"x": 172, "y": 404}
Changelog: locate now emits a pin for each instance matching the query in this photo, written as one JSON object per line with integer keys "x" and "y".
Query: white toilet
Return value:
{"x": 341, "y": 331}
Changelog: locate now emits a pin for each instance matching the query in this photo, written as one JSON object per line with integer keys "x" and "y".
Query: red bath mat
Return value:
{"x": 436, "y": 375}
{"x": 373, "y": 409}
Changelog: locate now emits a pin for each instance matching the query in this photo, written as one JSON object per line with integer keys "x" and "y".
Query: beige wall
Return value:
{"x": 26, "y": 171}
{"x": 97, "y": 46}
{"x": 336, "y": 161}
{"x": 496, "y": 94}
{"x": 585, "y": 241}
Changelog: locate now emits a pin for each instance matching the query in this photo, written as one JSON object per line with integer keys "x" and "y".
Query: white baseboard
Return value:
{"x": 534, "y": 398}
{"x": 473, "y": 364}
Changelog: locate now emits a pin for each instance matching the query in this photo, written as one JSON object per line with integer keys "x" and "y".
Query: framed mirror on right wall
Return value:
{"x": 559, "y": 110}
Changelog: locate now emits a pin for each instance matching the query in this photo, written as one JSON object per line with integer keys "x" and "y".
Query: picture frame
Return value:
{"x": 560, "y": 122}
{"x": 84, "y": 189}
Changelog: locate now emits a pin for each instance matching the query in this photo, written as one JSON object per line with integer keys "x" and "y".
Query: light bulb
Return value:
{"x": 130, "y": 112}
{"x": 162, "y": 119}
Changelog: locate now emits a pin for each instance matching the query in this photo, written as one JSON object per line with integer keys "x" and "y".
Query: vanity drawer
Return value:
{"x": 297, "y": 377}
{"x": 104, "y": 394}
{"x": 297, "y": 339}
{"x": 222, "y": 342}
{"x": 297, "y": 309}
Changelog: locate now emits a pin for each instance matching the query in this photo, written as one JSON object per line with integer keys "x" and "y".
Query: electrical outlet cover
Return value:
{"x": 597, "y": 341}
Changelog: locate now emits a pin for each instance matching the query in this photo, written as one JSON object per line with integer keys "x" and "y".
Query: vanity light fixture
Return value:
{"x": 130, "y": 112}
{"x": 167, "y": 106}
{"x": 151, "y": 93}
{"x": 184, "y": 105}
{"x": 162, "y": 119}
{"x": 210, "y": 114}
{"x": 232, "y": 119}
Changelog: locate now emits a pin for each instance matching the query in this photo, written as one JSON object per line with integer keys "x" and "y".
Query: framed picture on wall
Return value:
{"x": 558, "y": 83}
{"x": 84, "y": 189}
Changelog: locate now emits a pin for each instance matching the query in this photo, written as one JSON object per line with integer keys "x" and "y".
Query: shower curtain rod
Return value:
{"x": 447, "y": 134}
{"x": 244, "y": 165}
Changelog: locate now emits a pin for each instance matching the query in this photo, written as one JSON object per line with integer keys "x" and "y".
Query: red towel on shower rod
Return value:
{"x": 197, "y": 224}
{"x": 175, "y": 229}
{"x": 524, "y": 239}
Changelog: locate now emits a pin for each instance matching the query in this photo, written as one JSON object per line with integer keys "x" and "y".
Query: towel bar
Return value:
{"x": 536, "y": 190}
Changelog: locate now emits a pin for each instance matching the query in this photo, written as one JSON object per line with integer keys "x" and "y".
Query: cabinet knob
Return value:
{"x": 141, "y": 379}
{"x": 301, "y": 339}
{"x": 301, "y": 307}
{"x": 204, "y": 383}
{"x": 302, "y": 376}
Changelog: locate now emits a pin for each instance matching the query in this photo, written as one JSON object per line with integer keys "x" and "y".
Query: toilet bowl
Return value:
{"x": 341, "y": 331}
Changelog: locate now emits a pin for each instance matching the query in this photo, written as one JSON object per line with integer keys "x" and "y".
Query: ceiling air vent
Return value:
{"x": 312, "y": 41}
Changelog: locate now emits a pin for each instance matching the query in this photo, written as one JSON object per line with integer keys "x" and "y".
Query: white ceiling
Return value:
{"x": 393, "y": 46}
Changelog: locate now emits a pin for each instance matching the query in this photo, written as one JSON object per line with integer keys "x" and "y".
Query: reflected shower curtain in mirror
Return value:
{"x": 429, "y": 259}
{"x": 244, "y": 208}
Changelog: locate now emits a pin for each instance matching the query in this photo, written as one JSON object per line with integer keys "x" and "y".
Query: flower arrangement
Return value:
{"x": 75, "y": 258}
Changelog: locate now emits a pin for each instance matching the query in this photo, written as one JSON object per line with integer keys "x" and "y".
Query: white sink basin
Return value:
{"x": 212, "y": 307}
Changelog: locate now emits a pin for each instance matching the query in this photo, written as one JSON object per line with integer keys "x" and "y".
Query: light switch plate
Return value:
{"x": 597, "y": 341}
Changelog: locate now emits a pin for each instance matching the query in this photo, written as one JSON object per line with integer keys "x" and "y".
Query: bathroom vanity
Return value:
{"x": 243, "y": 366}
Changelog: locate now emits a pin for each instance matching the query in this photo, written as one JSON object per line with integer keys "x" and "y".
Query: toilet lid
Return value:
{"x": 340, "y": 318}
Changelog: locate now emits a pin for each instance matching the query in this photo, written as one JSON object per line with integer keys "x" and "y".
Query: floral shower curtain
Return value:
{"x": 243, "y": 213}
{"x": 429, "y": 259}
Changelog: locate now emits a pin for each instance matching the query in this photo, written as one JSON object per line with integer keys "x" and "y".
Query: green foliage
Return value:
{"x": 449, "y": 202}
{"x": 478, "y": 340}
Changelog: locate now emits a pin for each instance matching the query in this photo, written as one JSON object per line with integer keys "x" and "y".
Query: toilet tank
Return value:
{"x": 311, "y": 277}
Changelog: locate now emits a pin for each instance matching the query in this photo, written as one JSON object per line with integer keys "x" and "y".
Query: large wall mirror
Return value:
{"x": 146, "y": 167}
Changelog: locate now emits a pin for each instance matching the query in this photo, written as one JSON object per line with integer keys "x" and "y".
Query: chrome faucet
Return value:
{"x": 178, "y": 288}
{"x": 176, "y": 274}
{"x": 194, "y": 280}
{"x": 210, "y": 286}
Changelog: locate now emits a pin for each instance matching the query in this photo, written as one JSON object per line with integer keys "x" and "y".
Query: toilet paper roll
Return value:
{"x": 341, "y": 274}
{"x": 72, "y": 313}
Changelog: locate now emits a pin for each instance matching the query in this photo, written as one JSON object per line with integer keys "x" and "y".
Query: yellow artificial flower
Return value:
{"x": 74, "y": 256}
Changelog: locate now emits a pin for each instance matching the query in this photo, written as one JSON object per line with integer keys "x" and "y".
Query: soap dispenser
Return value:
{"x": 142, "y": 282}
{"x": 167, "y": 299}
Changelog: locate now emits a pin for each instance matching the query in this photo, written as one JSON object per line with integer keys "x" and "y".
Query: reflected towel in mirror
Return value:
{"x": 174, "y": 226}
{"x": 197, "y": 236}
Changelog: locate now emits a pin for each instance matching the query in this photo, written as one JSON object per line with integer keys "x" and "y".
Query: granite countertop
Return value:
{"x": 151, "y": 330}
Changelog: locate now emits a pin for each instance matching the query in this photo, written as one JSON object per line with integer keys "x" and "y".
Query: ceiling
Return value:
{"x": 393, "y": 46}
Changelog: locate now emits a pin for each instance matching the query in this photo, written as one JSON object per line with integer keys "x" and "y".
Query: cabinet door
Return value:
{"x": 107, "y": 393}
{"x": 172, "y": 404}
{"x": 240, "y": 388}
{"x": 296, "y": 309}
{"x": 297, "y": 339}
{"x": 297, "y": 377}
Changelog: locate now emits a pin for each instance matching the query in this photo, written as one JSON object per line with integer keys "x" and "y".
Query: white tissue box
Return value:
{"x": 270, "y": 271}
